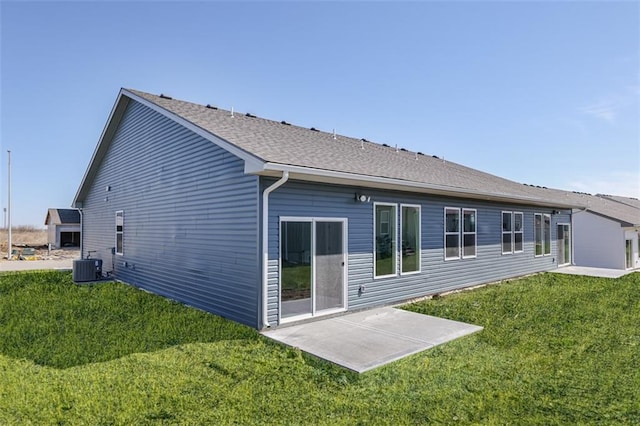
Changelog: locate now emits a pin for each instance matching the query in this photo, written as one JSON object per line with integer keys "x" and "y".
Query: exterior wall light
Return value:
{"x": 363, "y": 198}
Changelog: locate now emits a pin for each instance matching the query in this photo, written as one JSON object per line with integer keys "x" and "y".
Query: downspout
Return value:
{"x": 81, "y": 232}
{"x": 265, "y": 245}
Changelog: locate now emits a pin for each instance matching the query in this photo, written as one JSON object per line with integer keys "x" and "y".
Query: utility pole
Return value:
{"x": 9, "y": 206}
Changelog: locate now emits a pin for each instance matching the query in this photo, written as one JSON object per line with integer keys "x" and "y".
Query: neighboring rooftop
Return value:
{"x": 607, "y": 206}
{"x": 62, "y": 216}
{"x": 633, "y": 202}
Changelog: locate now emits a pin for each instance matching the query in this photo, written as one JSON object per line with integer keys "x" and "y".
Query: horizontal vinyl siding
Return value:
{"x": 190, "y": 216}
{"x": 598, "y": 241}
{"x": 437, "y": 275}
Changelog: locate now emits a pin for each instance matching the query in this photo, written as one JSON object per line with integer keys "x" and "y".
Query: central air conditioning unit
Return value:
{"x": 87, "y": 270}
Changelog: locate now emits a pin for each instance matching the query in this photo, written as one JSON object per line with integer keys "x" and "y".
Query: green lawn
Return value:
{"x": 296, "y": 281}
{"x": 556, "y": 349}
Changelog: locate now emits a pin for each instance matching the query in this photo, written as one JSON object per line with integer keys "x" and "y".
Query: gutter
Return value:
{"x": 81, "y": 232}
{"x": 330, "y": 176}
{"x": 265, "y": 245}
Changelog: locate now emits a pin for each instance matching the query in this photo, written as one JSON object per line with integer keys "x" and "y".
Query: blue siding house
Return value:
{"x": 266, "y": 223}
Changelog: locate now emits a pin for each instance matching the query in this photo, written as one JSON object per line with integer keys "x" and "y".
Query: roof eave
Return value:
{"x": 343, "y": 178}
{"x": 101, "y": 148}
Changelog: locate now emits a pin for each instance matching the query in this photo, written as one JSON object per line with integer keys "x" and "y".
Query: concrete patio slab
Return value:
{"x": 591, "y": 272}
{"x": 365, "y": 340}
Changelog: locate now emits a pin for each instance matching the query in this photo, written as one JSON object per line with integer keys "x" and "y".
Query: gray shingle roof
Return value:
{"x": 62, "y": 216}
{"x": 69, "y": 215}
{"x": 626, "y": 214}
{"x": 278, "y": 143}
{"x": 633, "y": 202}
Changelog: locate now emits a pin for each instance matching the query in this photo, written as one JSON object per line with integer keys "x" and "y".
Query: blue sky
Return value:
{"x": 538, "y": 92}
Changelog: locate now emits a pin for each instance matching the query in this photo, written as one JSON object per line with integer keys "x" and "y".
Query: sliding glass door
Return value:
{"x": 295, "y": 268}
{"x": 312, "y": 266}
{"x": 564, "y": 244}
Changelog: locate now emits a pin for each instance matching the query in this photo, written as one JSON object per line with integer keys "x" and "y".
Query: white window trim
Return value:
{"x": 395, "y": 249}
{"x": 345, "y": 274}
{"x": 545, "y": 215}
{"x": 521, "y": 231}
{"x": 419, "y": 243}
{"x": 121, "y": 253}
{"x": 535, "y": 234}
{"x": 463, "y": 233}
{"x": 446, "y": 233}
{"x": 503, "y": 232}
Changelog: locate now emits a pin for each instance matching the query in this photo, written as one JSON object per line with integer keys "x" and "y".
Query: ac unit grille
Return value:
{"x": 87, "y": 270}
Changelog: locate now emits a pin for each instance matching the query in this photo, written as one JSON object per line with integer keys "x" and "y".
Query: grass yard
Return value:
{"x": 556, "y": 349}
{"x": 296, "y": 281}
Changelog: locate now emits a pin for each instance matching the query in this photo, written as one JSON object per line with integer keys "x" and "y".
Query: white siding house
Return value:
{"x": 601, "y": 242}
{"x": 604, "y": 231}
{"x": 63, "y": 227}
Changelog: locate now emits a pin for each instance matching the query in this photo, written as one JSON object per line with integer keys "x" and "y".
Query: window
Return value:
{"x": 512, "y": 232}
{"x": 452, "y": 233}
{"x": 385, "y": 240}
{"x": 518, "y": 232}
{"x": 119, "y": 232}
{"x": 537, "y": 230}
{"x": 507, "y": 233}
{"x": 542, "y": 233}
{"x": 384, "y": 223}
{"x": 410, "y": 239}
{"x": 547, "y": 234}
{"x": 460, "y": 236}
{"x": 468, "y": 233}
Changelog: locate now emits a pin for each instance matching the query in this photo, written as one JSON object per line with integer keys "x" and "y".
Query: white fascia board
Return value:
{"x": 251, "y": 162}
{"x": 330, "y": 176}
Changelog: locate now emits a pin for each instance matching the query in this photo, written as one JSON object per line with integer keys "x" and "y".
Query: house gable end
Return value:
{"x": 175, "y": 214}
{"x": 251, "y": 162}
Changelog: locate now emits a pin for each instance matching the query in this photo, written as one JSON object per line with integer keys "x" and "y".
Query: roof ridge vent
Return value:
{"x": 314, "y": 129}
{"x": 211, "y": 106}
{"x": 163, "y": 96}
{"x": 285, "y": 123}
{"x": 419, "y": 153}
{"x": 250, "y": 115}
{"x": 384, "y": 144}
